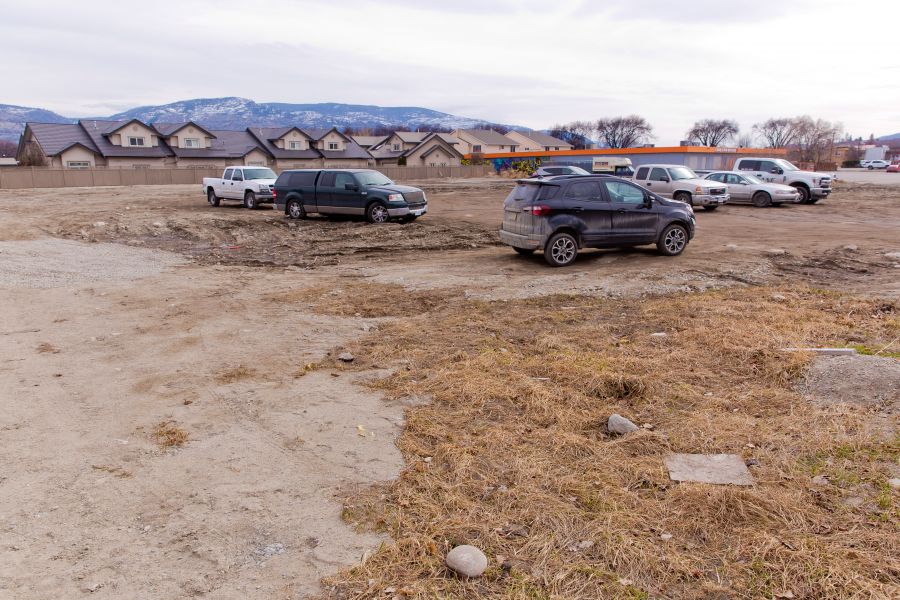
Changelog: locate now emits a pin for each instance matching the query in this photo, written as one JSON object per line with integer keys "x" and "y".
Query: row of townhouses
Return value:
{"x": 134, "y": 144}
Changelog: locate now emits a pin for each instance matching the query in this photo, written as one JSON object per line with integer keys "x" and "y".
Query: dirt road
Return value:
{"x": 132, "y": 312}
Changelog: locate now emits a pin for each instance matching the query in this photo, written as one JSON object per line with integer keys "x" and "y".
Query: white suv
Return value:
{"x": 876, "y": 164}
{"x": 811, "y": 185}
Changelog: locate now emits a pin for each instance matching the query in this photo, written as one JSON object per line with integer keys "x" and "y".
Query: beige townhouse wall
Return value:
{"x": 256, "y": 158}
{"x": 294, "y": 136}
{"x": 441, "y": 157}
{"x": 76, "y": 157}
{"x": 333, "y": 138}
{"x": 138, "y": 162}
{"x": 526, "y": 144}
{"x": 177, "y": 139}
{"x": 291, "y": 163}
{"x": 120, "y": 137}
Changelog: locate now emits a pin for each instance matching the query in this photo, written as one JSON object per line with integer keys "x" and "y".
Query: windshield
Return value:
{"x": 372, "y": 178}
{"x": 752, "y": 178}
{"x": 786, "y": 165}
{"x": 679, "y": 173}
{"x": 577, "y": 171}
{"x": 259, "y": 174}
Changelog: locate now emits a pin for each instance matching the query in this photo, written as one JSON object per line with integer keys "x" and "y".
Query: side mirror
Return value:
{"x": 648, "y": 200}
{"x": 776, "y": 171}
{"x": 665, "y": 179}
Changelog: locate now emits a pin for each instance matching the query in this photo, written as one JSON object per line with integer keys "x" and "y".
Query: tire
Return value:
{"x": 212, "y": 198}
{"x": 250, "y": 201}
{"x": 804, "y": 194}
{"x": 561, "y": 250}
{"x": 524, "y": 251}
{"x": 673, "y": 240}
{"x": 711, "y": 207}
{"x": 871, "y": 167}
{"x": 762, "y": 200}
{"x": 377, "y": 213}
{"x": 684, "y": 197}
{"x": 295, "y": 209}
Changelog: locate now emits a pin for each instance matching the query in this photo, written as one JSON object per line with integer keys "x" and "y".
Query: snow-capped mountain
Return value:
{"x": 240, "y": 113}
{"x": 13, "y": 119}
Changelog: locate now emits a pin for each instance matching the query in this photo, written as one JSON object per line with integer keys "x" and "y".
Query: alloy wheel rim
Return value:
{"x": 379, "y": 214}
{"x": 563, "y": 250}
{"x": 675, "y": 240}
{"x": 295, "y": 210}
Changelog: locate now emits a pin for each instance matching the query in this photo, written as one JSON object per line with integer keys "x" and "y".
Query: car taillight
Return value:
{"x": 540, "y": 210}
{"x": 274, "y": 194}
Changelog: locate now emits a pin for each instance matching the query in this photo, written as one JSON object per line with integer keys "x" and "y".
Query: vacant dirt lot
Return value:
{"x": 176, "y": 423}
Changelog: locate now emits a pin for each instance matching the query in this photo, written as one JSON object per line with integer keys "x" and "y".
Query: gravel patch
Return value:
{"x": 49, "y": 263}
{"x": 859, "y": 379}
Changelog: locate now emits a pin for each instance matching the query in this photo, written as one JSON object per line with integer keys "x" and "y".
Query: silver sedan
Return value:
{"x": 746, "y": 188}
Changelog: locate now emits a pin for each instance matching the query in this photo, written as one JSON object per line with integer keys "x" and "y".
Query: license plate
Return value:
{"x": 419, "y": 213}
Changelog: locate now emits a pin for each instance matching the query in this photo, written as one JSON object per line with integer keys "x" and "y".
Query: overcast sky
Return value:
{"x": 522, "y": 62}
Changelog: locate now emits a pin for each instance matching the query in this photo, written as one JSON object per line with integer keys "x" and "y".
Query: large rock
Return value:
{"x": 467, "y": 560}
{"x": 709, "y": 468}
{"x": 620, "y": 425}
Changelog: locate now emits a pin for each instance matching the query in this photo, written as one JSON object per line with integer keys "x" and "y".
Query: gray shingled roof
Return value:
{"x": 96, "y": 130}
{"x": 56, "y": 137}
{"x": 543, "y": 139}
{"x": 167, "y": 129}
{"x": 225, "y": 144}
{"x": 368, "y": 140}
{"x": 490, "y": 137}
{"x": 265, "y": 135}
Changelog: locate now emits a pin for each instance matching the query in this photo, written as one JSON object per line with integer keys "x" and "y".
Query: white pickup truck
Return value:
{"x": 812, "y": 186}
{"x": 251, "y": 185}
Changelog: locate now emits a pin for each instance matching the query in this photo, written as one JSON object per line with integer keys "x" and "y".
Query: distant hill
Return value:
{"x": 13, "y": 119}
{"x": 240, "y": 113}
{"x": 889, "y": 138}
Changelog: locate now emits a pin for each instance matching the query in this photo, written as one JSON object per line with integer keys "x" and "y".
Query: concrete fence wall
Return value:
{"x": 41, "y": 177}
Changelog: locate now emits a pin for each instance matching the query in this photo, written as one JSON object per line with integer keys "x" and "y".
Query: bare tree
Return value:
{"x": 32, "y": 156}
{"x": 8, "y": 148}
{"x": 777, "y": 133}
{"x": 746, "y": 140}
{"x": 624, "y": 132}
{"x": 712, "y": 132}
{"x": 814, "y": 139}
{"x": 577, "y": 133}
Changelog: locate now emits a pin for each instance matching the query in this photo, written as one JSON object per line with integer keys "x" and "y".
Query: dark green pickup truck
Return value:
{"x": 360, "y": 192}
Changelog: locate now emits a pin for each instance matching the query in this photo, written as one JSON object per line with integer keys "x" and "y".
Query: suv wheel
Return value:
{"x": 561, "y": 250}
{"x": 673, "y": 241}
{"x": 295, "y": 209}
{"x": 250, "y": 200}
{"x": 762, "y": 200}
{"x": 804, "y": 194}
{"x": 212, "y": 198}
{"x": 377, "y": 213}
{"x": 684, "y": 197}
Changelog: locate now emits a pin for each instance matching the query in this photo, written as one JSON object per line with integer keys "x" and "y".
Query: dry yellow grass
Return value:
{"x": 521, "y": 464}
{"x": 168, "y": 434}
{"x": 238, "y": 373}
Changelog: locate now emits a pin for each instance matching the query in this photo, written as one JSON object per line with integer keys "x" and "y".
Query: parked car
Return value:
{"x": 895, "y": 168}
{"x": 561, "y": 170}
{"x": 877, "y": 164}
{"x": 743, "y": 187}
{"x": 362, "y": 192}
{"x": 811, "y": 185}
{"x": 252, "y": 185}
{"x": 564, "y": 214}
{"x": 682, "y": 184}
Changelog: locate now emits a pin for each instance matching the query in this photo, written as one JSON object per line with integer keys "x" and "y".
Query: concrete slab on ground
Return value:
{"x": 720, "y": 469}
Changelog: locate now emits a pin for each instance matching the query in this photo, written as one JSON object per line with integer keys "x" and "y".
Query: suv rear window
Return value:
{"x": 304, "y": 179}
{"x": 525, "y": 192}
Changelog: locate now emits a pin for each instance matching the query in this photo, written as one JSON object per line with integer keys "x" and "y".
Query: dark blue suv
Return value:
{"x": 563, "y": 214}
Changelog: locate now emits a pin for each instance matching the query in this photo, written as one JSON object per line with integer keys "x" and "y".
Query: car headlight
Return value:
{"x": 395, "y": 197}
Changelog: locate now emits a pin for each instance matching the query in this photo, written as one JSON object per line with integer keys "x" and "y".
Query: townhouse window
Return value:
{"x": 295, "y": 145}
{"x": 191, "y": 142}
{"x": 503, "y": 147}
{"x": 396, "y": 146}
{"x": 546, "y": 148}
{"x": 476, "y": 148}
{"x": 140, "y": 166}
{"x": 78, "y": 164}
{"x": 135, "y": 141}
{"x": 333, "y": 146}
